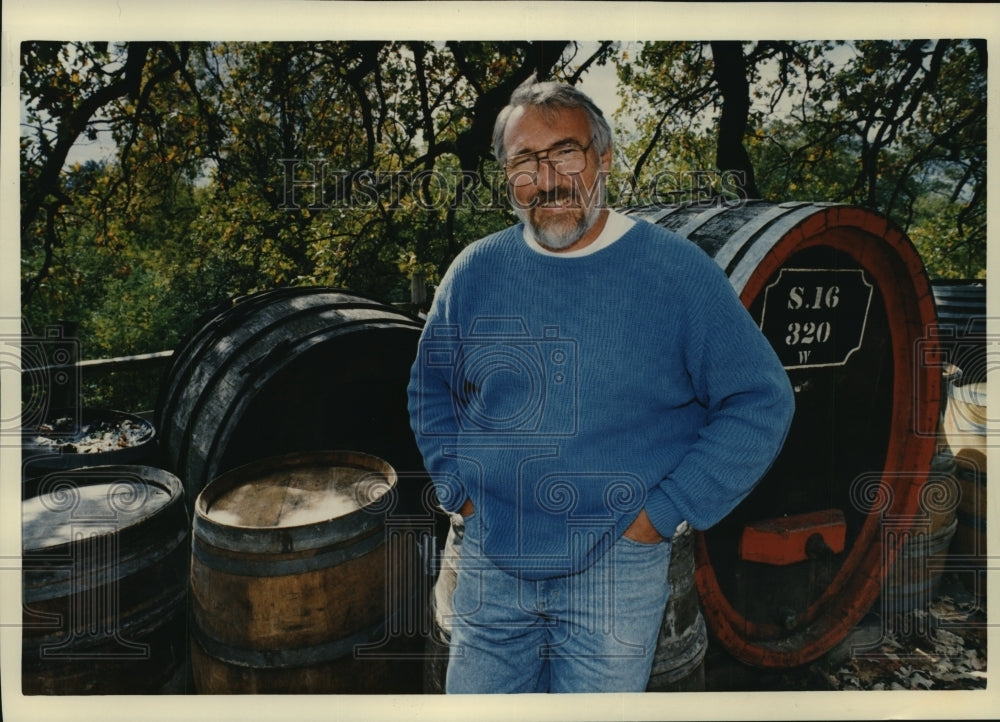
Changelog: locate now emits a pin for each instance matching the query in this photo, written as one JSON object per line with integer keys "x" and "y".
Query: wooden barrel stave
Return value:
{"x": 267, "y": 610}
{"x": 297, "y": 585}
{"x": 301, "y": 355}
{"x": 337, "y": 675}
{"x": 679, "y": 659}
{"x": 225, "y": 319}
{"x": 964, "y": 428}
{"x": 104, "y": 582}
{"x": 917, "y": 571}
{"x": 969, "y": 547}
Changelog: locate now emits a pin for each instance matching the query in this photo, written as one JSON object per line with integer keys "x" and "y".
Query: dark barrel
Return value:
{"x": 916, "y": 575}
{"x": 844, "y": 299}
{"x": 298, "y": 585}
{"x": 961, "y": 310}
{"x": 284, "y": 371}
{"x": 679, "y": 660}
{"x": 70, "y": 438}
{"x": 105, "y": 567}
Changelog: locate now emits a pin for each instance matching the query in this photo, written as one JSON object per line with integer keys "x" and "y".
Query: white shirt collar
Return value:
{"x": 615, "y": 227}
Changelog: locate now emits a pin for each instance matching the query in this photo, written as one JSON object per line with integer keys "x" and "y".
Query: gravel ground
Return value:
{"x": 942, "y": 648}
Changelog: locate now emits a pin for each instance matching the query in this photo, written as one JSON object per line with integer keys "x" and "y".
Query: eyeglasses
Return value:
{"x": 565, "y": 159}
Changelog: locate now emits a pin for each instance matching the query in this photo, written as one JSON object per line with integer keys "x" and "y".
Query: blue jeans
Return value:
{"x": 594, "y": 631}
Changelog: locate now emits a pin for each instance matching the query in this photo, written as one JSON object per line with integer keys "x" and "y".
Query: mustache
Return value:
{"x": 553, "y": 196}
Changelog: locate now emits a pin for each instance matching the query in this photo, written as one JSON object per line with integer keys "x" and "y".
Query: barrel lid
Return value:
{"x": 98, "y": 499}
{"x": 292, "y": 496}
{"x": 294, "y": 502}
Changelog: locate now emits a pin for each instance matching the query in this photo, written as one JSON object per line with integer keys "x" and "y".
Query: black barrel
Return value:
{"x": 289, "y": 370}
{"x": 70, "y": 438}
{"x": 843, "y": 298}
{"x": 917, "y": 572}
{"x": 679, "y": 660}
{"x": 961, "y": 310}
{"x": 105, "y": 566}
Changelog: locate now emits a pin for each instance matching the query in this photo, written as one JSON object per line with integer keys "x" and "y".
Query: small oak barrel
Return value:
{"x": 297, "y": 583}
{"x": 289, "y": 370}
{"x": 969, "y": 547}
{"x": 844, "y": 299}
{"x": 105, "y": 555}
{"x": 965, "y": 430}
{"x": 916, "y": 574}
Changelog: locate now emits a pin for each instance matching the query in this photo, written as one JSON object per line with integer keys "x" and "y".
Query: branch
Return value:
{"x": 475, "y": 142}
{"x": 74, "y": 124}
{"x": 601, "y": 54}
{"x": 729, "y": 72}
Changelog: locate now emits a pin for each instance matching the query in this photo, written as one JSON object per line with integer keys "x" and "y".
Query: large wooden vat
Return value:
{"x": 843, "y": 298}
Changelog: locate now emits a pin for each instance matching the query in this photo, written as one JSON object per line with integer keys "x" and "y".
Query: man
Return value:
{"x": 584, "y": 383}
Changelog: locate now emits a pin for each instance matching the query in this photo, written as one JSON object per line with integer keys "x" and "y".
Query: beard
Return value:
{"x": 562, "y": 231}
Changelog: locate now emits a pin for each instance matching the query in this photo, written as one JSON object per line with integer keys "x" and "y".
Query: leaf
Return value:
{"x": 918, "y": 680}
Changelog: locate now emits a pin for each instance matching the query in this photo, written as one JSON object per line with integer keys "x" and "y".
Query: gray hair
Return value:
{"x": 551, "y": 95}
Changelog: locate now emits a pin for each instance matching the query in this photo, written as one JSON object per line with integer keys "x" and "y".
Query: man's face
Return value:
{"x": 560, "y": 209}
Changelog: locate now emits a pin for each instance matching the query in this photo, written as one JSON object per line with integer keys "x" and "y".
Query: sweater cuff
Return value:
{"x": 662, "y": 512}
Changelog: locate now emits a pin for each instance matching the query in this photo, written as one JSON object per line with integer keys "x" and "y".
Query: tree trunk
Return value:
{"x": 730, "y": 74}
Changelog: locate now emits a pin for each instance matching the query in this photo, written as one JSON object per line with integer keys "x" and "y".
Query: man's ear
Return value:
{"x": 605, "y": 161}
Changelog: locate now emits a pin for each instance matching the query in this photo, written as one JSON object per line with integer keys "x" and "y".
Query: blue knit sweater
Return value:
{"x": 564, "y": 395}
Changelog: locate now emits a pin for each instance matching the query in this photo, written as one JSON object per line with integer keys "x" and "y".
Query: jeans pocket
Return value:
{"x": 642, "y": 545}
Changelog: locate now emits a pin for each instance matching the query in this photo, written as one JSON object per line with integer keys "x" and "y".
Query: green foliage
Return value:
{"x": 246, "y": 166}
{"x": 942, "y": 244}
{"x": 896, "y": 126}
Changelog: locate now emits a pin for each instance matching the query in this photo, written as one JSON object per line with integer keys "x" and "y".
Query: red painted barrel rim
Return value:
{"x": 894, "y": 264}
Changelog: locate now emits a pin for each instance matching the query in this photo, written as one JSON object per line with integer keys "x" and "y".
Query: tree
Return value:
{"x": 244, "y": 166}
{"x": 878, "y": 123}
